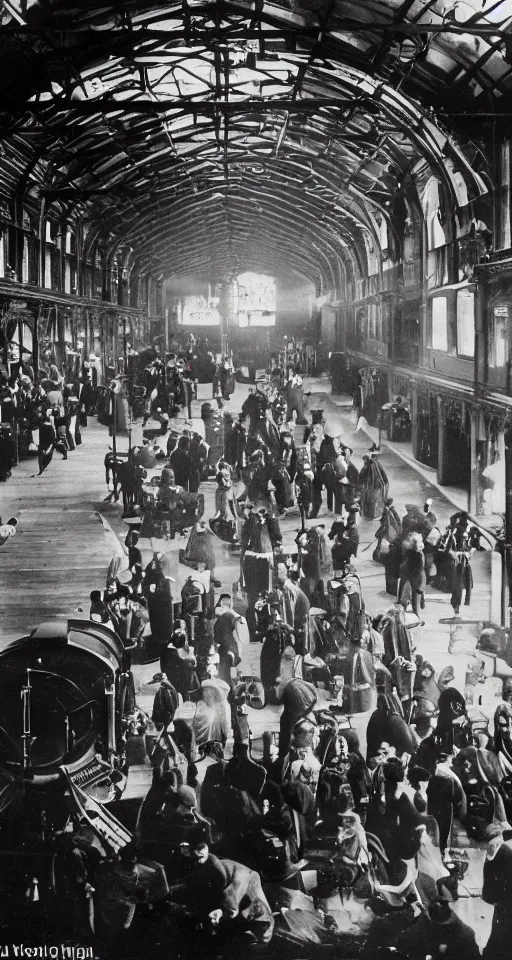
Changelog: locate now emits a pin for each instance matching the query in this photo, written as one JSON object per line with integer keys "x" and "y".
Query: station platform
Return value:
{"x": 68, "y": 533}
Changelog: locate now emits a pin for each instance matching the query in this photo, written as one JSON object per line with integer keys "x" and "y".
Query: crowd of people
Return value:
{"x": 43, "y": 414}
{"x": 315, "y": 840}
{"x": 227, "y": 835}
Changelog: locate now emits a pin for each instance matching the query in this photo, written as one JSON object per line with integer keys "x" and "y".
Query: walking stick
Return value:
{"x": 369, "y": 545}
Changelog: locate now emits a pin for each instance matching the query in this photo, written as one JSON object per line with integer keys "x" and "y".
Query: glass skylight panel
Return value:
{"x": 498, "y": 11}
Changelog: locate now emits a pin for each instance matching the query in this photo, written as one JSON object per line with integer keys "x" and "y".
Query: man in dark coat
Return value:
{"x": 325, "y": 456}
{"x": 438, "y": 932}
{"x": 223, "y": 890}
{"x": 373, "y": 488}
{"x": 346, "y": 541}
{"x": 180, "y": 462}
{"x": 134, "y": 553}
{"x": 120, "y": 884}
{"x": 298, "y": 698}
{"x": 412, "y": 577}
{"x": 161, "y": 612}
{"x": 387, "y": 726}
{"x": 165, "y": 703}
{"x": 391, "y": 815}
{"x": 178, "y": 662}
{"x": 294, "y": 602}
{"x": 224, "y": 635}
{"x": 198, "y": 452}
{"x": 497, "y": 889}
{"x": 48, "y": 443}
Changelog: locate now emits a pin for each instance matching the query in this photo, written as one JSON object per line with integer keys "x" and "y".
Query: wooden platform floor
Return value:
{"x": 60, "y": 552}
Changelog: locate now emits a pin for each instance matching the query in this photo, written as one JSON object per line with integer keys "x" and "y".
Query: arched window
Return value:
{"x": 255, "y": 300}
{"x": 431, "y": 203}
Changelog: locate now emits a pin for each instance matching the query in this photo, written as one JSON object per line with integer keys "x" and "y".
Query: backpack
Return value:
{"x": 481, "y": 811}
{"x": 270, "y": 854}
{"x": 505, "y": 790}
{"x": 166, "y": 757}
{"x": 334, "y": 795}
{"x": 236, "y": 810}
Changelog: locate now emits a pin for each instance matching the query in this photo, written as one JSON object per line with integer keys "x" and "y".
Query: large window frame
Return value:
{"x": 502, "y": 198}
{"x": 439, "y": 324}
{"x": 499, "y": 337}
{"x": 465, "y": 324}
{"x": 451, "y": 323}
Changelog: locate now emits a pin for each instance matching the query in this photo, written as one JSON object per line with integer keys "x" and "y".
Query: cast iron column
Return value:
{"x": 506, "y": 547}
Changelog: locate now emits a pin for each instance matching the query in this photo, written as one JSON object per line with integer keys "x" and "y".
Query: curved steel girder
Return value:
{"x": 408, "y": 112}
{"x": 194, "y": 165}
{"x": 281, "y": 202}
{"x": 321, "y": 174}
{"x": 85, "y": 161}
{"x": 326, "y": 179}
{"x": 430, "y": 141}
{"x": 316, "y": 205}
{"x": 185, "y": 210}
{"x": 164, "y": 258}
{"x": 321, "y": 207}
{"x": 259, "y": 263}
{"x": 330, "y": 78}
{"x": 221, "y": 266}
{"x": 227, "y": 252}
{"x": 280, "y": 253}
{"x": 203, "y": 222}
{"x": 261, "y": 15}
{"x": 216, "y": 221}
{"x": 303, "y": 22}
{"x": 202, "y": 148}
{"x": 312, "y": 205}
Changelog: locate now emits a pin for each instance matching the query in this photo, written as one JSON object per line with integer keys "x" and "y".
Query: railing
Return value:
{"x": 29, "y": 291}
{"x": 386, "y": 282}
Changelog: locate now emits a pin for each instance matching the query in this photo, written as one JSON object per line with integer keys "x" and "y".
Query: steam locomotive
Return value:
{"x": 63, "y": 691}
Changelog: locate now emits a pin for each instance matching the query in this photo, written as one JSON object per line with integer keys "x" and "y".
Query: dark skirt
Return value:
{"x": 270, "y": 660}
{"x": 373, "y": 489}
{"x": 257, "y": 576}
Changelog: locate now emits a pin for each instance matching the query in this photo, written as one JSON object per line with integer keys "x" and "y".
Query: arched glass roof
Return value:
{"x": 212, "y": 136}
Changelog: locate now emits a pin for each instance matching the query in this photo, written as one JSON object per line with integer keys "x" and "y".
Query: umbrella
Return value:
{"x": 364, "y": 427}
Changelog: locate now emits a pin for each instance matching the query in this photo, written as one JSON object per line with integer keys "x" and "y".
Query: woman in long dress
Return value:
{"x": 503, "y": 738}
{"x": 373, "y": 488}
{"x": 389, "y": 530}
{"x": 212, "y": 720}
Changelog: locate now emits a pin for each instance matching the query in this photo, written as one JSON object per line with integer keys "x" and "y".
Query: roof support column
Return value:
{"x": 18, "y": 237}
{"x": 42, "y": 244}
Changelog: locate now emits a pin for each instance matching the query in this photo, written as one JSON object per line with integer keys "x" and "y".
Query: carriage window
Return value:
{"x": 465, "y": 323}
{"x": 439, "y": 324}
{"x": 498, "y": 337}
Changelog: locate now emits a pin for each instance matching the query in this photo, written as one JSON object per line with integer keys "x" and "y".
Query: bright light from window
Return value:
{"x": 256, "y": 300}
{"x": 200, "y": 312}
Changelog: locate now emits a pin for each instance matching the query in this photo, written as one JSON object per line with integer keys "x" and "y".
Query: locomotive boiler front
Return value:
{"x": 58, "y": 706}
{"x": 61, "y": 701}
